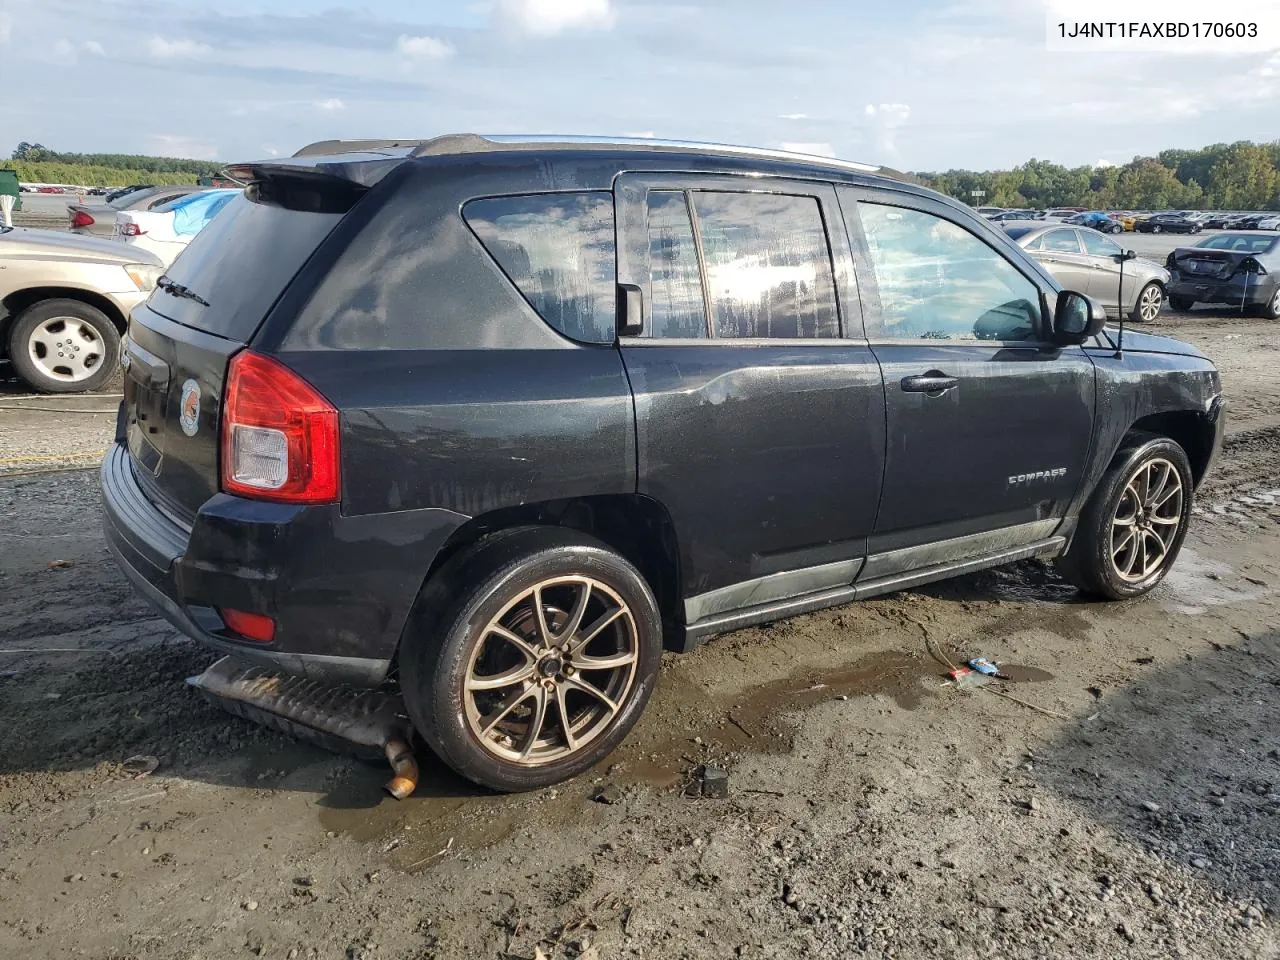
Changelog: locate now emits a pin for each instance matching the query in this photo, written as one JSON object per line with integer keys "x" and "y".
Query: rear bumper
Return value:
{"x": 1230, "y": 292}
{"x": 338, "y": 589}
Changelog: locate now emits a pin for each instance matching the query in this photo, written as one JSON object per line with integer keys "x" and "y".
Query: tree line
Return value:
{"x": 36, "y": 153}
{"x": 1234, "y": 176}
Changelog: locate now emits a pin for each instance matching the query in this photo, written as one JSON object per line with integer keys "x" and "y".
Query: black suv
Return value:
{"x": 503, "y": 418}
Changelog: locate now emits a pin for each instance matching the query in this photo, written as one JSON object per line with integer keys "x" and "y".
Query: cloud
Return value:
{"x": 94, "y": 47}
{"x": 886, "y": 119}
{"x": 64, "y": 48}
{"x": 423, "y": 48}
{"x": 332, "y": 105}
{"x": 6, "y": 27}
{"x": 270, "y": 152}
{"x": 546, "y": 18}
{"x": 164, "y": 49}
{"x": 640, "y": 134}
{"x": 793, "y": 116}
{"x": 177, "y": 145}
{"x": 813, "y": 148}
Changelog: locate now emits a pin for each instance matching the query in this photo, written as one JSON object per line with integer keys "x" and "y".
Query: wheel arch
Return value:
{"x": 1189, "y": 429}
{"x": 18, "y": 301}
{"x": 639, "y": 528}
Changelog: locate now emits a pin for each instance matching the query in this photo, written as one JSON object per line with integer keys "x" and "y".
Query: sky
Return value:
{"x": 914, "y": 84}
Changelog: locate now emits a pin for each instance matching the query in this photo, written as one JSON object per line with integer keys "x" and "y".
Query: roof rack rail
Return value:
{"x": 476, "y": 143}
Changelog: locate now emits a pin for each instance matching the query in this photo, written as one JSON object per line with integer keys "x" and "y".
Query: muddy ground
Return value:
{"x": 1121, "y": 799}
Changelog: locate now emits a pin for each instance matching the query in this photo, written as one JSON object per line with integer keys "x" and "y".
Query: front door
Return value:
{"x": 759, "y": 406}
{"x": 989, "y": 423}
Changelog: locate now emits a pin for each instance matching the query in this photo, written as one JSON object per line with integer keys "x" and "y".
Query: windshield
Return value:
{"x": 1240, "y": 244}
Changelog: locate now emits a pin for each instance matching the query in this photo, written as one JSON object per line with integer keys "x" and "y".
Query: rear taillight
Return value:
{"x": 82, "y": 219}
{"x": 1250, "y": 265}
{"x": 251, "y": 626}
{"x": 131, "y": 230}
{"x": 279, "y": 435}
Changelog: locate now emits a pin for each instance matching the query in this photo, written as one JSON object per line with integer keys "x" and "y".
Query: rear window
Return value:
{"x": 240, "y": 263}
{"x": 1239, "y": 244}
{"x": 558, "y": 249}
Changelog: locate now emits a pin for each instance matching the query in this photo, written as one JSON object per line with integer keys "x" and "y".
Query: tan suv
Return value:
{"x": 64, "y": 303}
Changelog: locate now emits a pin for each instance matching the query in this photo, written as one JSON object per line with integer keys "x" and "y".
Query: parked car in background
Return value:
{"x": 64, "y": 303}
{"x": 315, "y": 465}
{"x": 1006, "y": 216}
{"x": 99, "y": 219}
{"x": 988, "y": 211}
{"x": 167, "y": 229}
{"x": 1125, "y": 218}
{"x": 1082, "y": 259}
{"x": 1271, "y": 222}
{"x": 1216, "y": 221}
{"x": 1166, "y": 223}
{"x": 1235, "y": 269}
{"x": 1098, "y": 221}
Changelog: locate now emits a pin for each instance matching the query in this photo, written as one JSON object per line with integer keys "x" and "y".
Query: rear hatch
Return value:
{"x": 211, "y": 303}
{"x": 1202, "y": 264}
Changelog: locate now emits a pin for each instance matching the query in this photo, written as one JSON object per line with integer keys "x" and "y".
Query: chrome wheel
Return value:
{"x": 67, "y": 349}
{"x": 1146, "y": 521}
{"x": 1150, "y": 302}
{"x": 551, "y": 671}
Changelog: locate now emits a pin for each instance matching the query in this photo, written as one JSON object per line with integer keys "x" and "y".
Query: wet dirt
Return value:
{"x": 875, "y": 808}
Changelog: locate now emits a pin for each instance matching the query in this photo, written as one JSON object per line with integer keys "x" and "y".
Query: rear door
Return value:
{"x": 989, "y": 422}
{"x": 178, "y": 345}
{"x": 1104, "y": 272}
{"x": 759, "y": 407}
{"x": 1062, "y": 254}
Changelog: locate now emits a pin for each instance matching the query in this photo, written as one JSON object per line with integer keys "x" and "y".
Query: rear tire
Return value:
{"x": 1271, "y": 309}
{"x": 1131, "y": 530}
{"x": 1155, "y": 228}
{"x": 514, "y": 699}
{"x": 1181, "y": 303}
{"x": 46, "y": 330}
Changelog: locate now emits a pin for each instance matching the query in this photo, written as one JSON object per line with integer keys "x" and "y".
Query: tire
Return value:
{"x": 1181, "y": 303}
{"x": 89, "y": 338}
{"x": 1146, "y": 309}
{"x": 1155, "y": 228}
{"x": 1271, "y": 309}
{"x": 1093, "y": 563}
{"x": 451, "y": 643}
{"x": 1115, "y": 228}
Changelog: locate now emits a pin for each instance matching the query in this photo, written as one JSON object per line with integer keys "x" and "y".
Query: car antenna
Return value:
{"x": 1121, "y": 257}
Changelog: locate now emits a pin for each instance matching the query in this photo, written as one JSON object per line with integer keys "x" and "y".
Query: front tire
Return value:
{"x": 64, "y": 346}
{"x": 1155, "y": 228}
{"x": 531, "y": 658}
{"x": 1149, "y": 304}
{"x": 1181, "y": 303}
{"x": 1132, "y": 528}
{"x": 1115, "y": 228}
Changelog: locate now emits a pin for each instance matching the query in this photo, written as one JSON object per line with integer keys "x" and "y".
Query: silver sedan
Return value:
{"x": 1083, "y": 260}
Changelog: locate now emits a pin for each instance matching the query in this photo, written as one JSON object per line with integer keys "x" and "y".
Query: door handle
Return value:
{"x": 935, "y": 383}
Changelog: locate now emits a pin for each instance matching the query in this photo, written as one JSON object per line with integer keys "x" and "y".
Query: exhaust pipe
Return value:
{"x": 367, "y": 723}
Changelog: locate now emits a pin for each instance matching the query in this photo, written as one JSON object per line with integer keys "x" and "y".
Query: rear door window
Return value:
{"x": 1096, "y": 245}
{"x": 558, "y": 249}
{"x": 768, "y": 266}
{"x": 677, "y": 307}
{"x": 1061, "y": 241}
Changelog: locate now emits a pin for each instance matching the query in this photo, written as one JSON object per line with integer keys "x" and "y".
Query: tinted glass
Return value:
{"x": 939, "y": 282}
{"x": 1096, "y": 245}
{"x": 768, "y": 266}
{"x": 676, "y": 308}
{"x": 240, "y": 264}
{"x": 1061, "y": 241}
{"x": 1240, "y": 244}
{"x": 558, "y": 249}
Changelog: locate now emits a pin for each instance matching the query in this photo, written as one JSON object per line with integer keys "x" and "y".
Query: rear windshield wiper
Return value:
{"x": 178, "y": 290}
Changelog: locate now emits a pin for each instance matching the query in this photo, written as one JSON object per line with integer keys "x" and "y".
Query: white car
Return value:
{"x": 1269, "y": 223}
{"x": 167, "y": 229}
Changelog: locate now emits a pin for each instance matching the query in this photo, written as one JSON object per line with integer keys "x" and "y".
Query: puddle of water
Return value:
{"x": 1195, "y": 583}
{"x": 449, "y": 812}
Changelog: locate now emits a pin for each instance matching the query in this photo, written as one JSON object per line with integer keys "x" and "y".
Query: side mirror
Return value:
{"x": 1076, "y": 318}
{"x": 1130, "y": 255}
